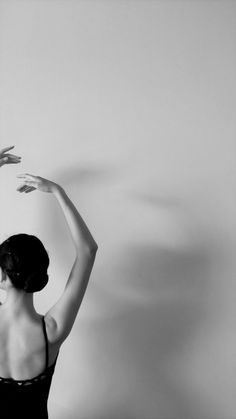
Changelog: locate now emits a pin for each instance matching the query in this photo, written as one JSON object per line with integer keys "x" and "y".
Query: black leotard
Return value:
{"x": 27, "y": 399}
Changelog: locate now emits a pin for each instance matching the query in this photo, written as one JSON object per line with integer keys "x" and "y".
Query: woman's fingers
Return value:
{"x": 3, "y": 160}
{"x": 26, "y": 184}
{"x": 4, "y": 150}
{"x": 30, "y": 189}
{"x": 26, "y": 189}
{"x": 12, "y": 156}
{"x": 22, "y": 188}
{"x": 12, "y": 161}
{"x": 26, "y": 176}
{"x": 29, "y": 183}
{"x": 9, "y": 159}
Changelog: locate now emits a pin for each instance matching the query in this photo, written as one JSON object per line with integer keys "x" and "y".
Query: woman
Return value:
{"x": 30, "y": 342}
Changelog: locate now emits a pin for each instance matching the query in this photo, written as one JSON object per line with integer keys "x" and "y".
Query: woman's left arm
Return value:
{"x": 8, "y": 158}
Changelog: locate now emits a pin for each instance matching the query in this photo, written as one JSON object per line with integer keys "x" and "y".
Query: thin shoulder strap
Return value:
{"x": 46, "y": 340}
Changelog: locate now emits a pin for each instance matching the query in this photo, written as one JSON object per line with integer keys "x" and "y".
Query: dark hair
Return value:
{"x": 25, "y": 260}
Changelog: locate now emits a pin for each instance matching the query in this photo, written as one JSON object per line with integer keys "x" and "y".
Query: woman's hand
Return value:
{"x": 31, "y": 183}
{"x": 7, "y": 158}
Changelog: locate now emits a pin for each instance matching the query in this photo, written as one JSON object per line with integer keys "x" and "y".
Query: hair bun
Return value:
{"x": 36, "y": 281}
{"x": 25, "y": 260}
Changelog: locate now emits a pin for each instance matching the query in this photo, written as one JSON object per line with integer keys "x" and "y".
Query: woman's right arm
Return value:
{"x": 64, "y": 311}
{"x": 81, "y": 236}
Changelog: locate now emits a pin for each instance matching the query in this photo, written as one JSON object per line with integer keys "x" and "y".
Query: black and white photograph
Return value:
{"x": 118, "y": 209}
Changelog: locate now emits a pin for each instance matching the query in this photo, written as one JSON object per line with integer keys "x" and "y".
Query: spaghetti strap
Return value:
{"x": 27, "y": 398}
{"x": 46, "y": 341}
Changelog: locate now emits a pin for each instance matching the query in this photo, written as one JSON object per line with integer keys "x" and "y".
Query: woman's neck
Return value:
{"x": 19, "y": 303}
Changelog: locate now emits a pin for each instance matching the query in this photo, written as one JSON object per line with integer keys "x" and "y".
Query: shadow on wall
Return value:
{"x": 142, "y": 335}
{"x": 78, "y": 180}
{"x": 151, "y": 310}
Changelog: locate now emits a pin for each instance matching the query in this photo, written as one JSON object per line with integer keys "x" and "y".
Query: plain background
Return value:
{"x": 130, "y": 105}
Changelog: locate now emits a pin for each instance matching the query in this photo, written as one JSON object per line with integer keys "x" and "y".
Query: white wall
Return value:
{"x": 130, "y": 105}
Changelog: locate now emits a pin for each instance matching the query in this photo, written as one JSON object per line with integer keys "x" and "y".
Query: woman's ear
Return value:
{"x": 3, "y": 275}
{"x": 4, "y": 280}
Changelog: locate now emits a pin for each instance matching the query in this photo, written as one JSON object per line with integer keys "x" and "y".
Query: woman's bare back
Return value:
{"x": 23, "y": 346}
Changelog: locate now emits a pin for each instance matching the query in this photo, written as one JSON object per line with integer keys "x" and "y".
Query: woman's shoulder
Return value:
{"x": 51, "y": 328}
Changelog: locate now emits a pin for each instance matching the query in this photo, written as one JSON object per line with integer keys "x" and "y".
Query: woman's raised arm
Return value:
{"x": 64, "y": 311}
{"x": 81, "y": 236}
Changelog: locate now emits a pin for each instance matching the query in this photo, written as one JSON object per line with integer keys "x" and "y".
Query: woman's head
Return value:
{"x": 25, "y": 261}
